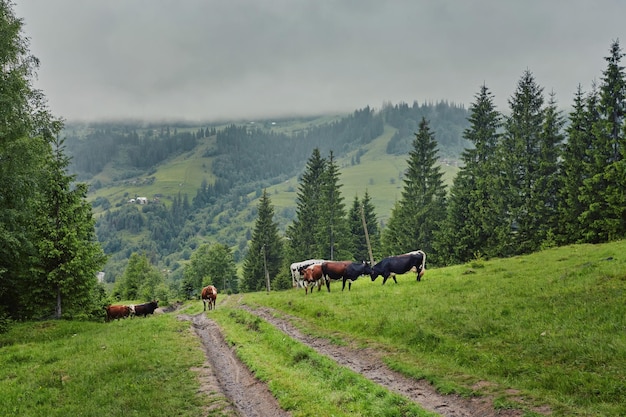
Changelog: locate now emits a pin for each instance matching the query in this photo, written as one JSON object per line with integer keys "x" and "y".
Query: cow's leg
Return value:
{"x": 393, "y": 275}
{"x": 204, "y": 304}
{"x": 344, "y": 284}
{"x": 328, "y": 283}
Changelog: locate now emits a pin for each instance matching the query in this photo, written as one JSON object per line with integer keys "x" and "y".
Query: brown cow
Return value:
{"x": 334, "y": 270}
{"x": 311, "y": 276}
{"x": 209, "y": 294}
{"x": 117, "y": 312}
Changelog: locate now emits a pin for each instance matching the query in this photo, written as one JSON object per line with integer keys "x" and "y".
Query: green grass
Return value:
{"x": 128, "y": 367}
{"x": 550, "y": 327}
{"x": 544, "y": 329}
{"x": 304, "y": 382}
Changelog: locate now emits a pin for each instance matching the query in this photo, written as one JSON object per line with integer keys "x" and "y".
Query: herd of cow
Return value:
{"x": 314, "y": 272}
{"x": 305, "y": 274}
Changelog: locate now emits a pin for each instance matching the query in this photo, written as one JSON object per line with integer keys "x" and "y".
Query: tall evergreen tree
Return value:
{"x": 302, "y": 240}
{"x": 360, "y": 210}
{"x": 521, "y": 153}
{"x": 549, "y": 181}
{"x": 416, "y": 217}
{"x": 68, "y": 254}
{"x": 332, "y": 232}
{"x": 603, "y": 192}
{"x": 265, "y": 253}
{"x": 576, "y": 165}
{"x": 474, "y": 224}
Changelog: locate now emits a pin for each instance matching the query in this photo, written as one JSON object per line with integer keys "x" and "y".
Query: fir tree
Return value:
{"x": 520, "y": 153}
{"x": 68, "y": 254}
{"x": 549, "y": 181}
{"x": 416, "y": 217}
{"x": 474, "y": 223}
{"x": 265, "y": 253}
{"x": 331, "y": 234}
{"x": 301, "y": 233}
{"x": 603, "y": 192}
{"x": 575, "y": 167}
{"x": 363, "y": 210}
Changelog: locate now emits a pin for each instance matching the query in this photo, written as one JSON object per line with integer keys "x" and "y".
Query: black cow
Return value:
{"x": 400, "y": 264}
{"x": 147, "y": 308}
{"x": 355, "y": 270}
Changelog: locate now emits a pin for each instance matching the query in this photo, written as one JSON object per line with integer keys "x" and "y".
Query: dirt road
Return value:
{"x": 237, "y": 392}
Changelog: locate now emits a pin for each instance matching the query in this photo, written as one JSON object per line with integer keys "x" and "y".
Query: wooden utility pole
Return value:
{"x": 367, "y": 236}
{"x": 267, "y": 275}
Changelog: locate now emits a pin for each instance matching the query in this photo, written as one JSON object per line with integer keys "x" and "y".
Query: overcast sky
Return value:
{"x": 238, "y": 59}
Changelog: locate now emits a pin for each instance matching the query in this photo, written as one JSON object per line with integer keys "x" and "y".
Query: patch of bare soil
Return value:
{"x": 250, "y": 397}
{"x": 231, "y": 387}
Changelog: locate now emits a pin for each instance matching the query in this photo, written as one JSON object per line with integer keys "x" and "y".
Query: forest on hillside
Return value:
{"x": 244, "y": 158}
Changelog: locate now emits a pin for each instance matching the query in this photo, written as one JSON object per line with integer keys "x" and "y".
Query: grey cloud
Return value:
{"x": 198, "y": 59}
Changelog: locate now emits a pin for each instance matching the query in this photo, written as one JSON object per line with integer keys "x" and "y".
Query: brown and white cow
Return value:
{"x": 117, "y": 311}
{"x": 209, "y": 295}
{"x": 311, "y": 276}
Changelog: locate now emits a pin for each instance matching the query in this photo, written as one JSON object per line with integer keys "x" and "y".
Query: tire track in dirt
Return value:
{"x": 244, "y": 395}
{"x": 232, "y": 388}
{"x": 368, "y": 363}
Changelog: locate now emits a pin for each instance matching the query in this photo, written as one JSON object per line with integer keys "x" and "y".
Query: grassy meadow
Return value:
{"x": 139, "y": 367}
{"x": 545, "y": 329}
{"x": 537, "y": 331}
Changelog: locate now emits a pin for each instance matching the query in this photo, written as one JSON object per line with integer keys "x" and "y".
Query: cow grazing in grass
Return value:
{"x": 311, "y": 276}
{"x": 146, "y": 308}
{"x": 354, "y": 271}
{"x": 334, "y": 270}
{"x": 117, "y": 312}
{"x": 392, "y": 265}
{"x": 209, "y": 295}
{"x": 297, "y": 270}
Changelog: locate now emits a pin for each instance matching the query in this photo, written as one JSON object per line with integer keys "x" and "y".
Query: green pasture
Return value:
{"x": 544, "y": 333}
{"x": 139, "y": 367}
{"x": 547, "y": 329}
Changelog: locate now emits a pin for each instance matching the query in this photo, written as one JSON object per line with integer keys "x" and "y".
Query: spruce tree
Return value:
{"x": 68, "y": 254}
{"x": 520, "y": 154}
{"x": 301, "y": 233}
{"x": 265, "y": 251}
{"x": 575, "y": 166}
{"x": 416, "y": 217}
{"x": 549, "y": 181}
{"x": 331, "y": 235}
{"x": 603, "y": 193}
{"x": 360, "y": 210}
{"x": 474, "y": 224}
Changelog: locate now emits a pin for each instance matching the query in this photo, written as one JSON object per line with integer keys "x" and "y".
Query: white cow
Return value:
{"x": 297, "y": 268}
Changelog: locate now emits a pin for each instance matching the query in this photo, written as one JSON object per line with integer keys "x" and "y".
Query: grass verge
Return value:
{"x": 139, "y": 367}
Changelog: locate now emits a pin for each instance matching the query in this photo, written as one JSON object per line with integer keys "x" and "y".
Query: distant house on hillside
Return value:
{"x": 142, "y": 200}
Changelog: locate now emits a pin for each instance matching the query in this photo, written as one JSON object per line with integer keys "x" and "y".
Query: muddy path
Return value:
{"x": 250, "y": 397}
{"x": 233, "y": 390}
